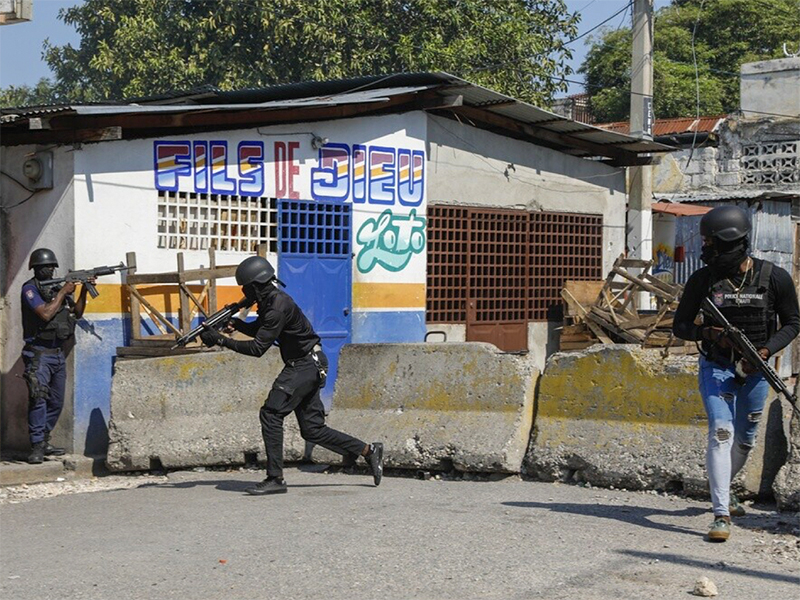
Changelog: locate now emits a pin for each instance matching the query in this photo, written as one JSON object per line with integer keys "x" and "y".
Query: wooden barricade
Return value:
{"x": 190, "y": 304}
{"x": 607, "y": 312}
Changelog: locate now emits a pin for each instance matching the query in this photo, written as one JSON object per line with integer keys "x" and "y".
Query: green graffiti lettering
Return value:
{"x": 390, "y": 241}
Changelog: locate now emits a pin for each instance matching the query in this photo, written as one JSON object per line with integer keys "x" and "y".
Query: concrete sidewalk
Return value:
{"x": 197, "y": 535}
{"x": 54, "y": 468}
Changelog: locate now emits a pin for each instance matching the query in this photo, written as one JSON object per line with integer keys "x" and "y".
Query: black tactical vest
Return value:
{"x": 747, "y": 307}
{"x": 60, "y": 327}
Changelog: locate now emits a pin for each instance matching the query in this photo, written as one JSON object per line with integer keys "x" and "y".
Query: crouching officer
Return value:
{"x": 49, "y": 314}
{"x": 760, "y": 299}
{"x": 297, "y": 386}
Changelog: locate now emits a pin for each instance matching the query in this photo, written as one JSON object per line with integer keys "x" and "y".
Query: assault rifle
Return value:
{"x": 749, "y": 352}
{"x": 215, "y": 321}
{"x": 84, "y": 277}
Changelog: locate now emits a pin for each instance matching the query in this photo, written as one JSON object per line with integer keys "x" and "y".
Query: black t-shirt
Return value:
{"x": 279, "y": 319}
{"x": 781, "y": 303}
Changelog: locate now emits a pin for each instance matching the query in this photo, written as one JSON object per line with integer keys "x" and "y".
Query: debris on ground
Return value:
{"x": 705, "y": 587}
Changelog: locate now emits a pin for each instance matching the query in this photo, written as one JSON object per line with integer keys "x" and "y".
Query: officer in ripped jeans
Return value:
{"x": 760, "y": 299}
{"x": 49, "y": 314}
{"x": 297, "y": 386}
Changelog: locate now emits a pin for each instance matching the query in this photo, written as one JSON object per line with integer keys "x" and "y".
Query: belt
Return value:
{"x": 41, "y": 350}
{"x": 313, "y": 355}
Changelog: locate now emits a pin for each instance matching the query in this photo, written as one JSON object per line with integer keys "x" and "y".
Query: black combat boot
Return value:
{"x": 271, "y": 485}
{"x": 49, "y": 449}
{"x": 36, "y": 456}
{"x": 375, "y": 461}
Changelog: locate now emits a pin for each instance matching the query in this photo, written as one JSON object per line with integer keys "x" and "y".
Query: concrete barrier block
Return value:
{"x": 192, "y": 410}
{"x": 625, "y": 416}
{"x": 466, "y": 406}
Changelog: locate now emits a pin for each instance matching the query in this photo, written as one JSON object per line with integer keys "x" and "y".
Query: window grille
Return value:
{"x": 513, "y": 264}
{"x": 771, "y": 163}
{"x": 192, "y": 221}
{"x": 448, "y": 227}
{"x": 314, "y": 228}
{"x": 563, "y": 246}
{"x": 498, "y": 265}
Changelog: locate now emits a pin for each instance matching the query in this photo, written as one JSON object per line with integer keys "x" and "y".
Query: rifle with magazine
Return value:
{"x": 749, "y": 353}
{"x": 216, "y": 321}
{"x": 85, "y": 277}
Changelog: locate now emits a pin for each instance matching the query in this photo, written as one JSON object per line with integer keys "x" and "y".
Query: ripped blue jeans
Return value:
{"x": 734, "y": 412}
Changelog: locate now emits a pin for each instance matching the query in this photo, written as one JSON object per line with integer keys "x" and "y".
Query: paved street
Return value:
{"x": 196, "y": 535}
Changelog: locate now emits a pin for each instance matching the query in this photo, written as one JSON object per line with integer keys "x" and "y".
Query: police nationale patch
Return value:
{"x": 29, "y": 294}
{"x": 718, "y": 299}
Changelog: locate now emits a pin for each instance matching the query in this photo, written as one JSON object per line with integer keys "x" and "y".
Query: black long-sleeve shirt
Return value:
{"x": 279, "y": 319}
{"x": 781, "y": 302}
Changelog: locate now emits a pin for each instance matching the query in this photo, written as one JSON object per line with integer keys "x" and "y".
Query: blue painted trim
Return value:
{"x": 394, "y": 326}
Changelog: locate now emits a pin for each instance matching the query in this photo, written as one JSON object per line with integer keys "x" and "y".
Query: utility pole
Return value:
{"x": 640, "y": 197}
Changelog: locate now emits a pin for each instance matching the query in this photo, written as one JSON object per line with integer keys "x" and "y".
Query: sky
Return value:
{"x": 21, "y": 44}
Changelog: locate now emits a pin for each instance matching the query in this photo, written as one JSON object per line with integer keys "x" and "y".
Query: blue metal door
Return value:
{"x": 315, "y": 263}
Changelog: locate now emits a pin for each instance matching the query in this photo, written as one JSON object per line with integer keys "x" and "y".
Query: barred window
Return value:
{"x": 511, "y": 264}
{"x": 192, "y": 221}
{"x": 771, "y": 163}
{"x": 563, "y": 246}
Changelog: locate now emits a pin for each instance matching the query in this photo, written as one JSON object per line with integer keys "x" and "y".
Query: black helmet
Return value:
{"x": 42, "y": 257}
{"x": 725, "y": 223}
{"x": 254, "y": 269}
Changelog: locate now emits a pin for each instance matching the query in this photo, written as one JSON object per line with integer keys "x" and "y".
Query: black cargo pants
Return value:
{"x": 297, "y": 389}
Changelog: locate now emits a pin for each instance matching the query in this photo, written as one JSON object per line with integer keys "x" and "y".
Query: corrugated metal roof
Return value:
{"x": 368, "y": 89}
{"x": 381, "y": 95}
{"x": 679, "y": 210}
{"x": 728, "y": 195}
{"x": 672, "y": 126}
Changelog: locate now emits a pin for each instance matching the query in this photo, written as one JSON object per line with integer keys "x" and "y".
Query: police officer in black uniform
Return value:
{"x": 297, "y": 386}
{"x": 49, "y": 314}
{"x": 759, "y": 298}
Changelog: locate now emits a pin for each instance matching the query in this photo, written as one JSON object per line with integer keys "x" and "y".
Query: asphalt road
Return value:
{"x": 197, "y": 535}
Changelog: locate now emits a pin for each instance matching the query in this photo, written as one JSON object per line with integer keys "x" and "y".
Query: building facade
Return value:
{"x": 390, "y": 212}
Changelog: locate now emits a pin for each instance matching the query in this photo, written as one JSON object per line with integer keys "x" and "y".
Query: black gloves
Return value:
{"x": 210, "y": 337}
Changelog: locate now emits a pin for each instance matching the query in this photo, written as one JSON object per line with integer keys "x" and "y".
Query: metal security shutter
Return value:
{"x": 562, "y": 246}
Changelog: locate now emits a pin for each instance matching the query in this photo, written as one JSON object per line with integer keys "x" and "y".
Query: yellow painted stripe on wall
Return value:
{"x": 114, "y": 297}
{"x": 389, "y": 295}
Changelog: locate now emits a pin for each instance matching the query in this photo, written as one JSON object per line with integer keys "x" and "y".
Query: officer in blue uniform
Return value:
{"x": 49, "y": 314}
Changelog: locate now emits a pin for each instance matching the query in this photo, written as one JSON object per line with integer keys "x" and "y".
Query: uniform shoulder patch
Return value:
{"x": 29, "y": 294}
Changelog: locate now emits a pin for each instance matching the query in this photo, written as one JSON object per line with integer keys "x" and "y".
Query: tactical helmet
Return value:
{"x": 254, "y": 269}
{"x": 42, "y": 257}
{"x": 725, "y": 223}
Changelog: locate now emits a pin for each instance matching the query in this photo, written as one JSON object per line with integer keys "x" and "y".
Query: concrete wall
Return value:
{"x": 438, "y": 406}
{"x": 199, "y": 409}
{"x": 47, "y": 219}
{"x": 623, "y": 416}
{"x": 202, "y": 409}
{"x": 771, "y": 86}
{"x": 543, "y": 338}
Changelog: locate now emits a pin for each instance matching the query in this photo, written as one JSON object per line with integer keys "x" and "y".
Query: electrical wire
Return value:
{"x": 696, "y": 82}
{"x": 23, "y": 201}
{"x": 585, "y": 33}
{"x": 17, "y": 181}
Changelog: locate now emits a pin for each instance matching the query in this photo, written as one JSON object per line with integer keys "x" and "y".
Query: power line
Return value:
{"x": 585, "y": 33}
{"x": 696, "y": 81}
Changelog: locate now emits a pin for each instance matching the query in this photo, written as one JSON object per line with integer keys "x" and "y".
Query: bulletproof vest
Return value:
{"x": 61, "y": 326}
{"x": 747, "y": 307}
